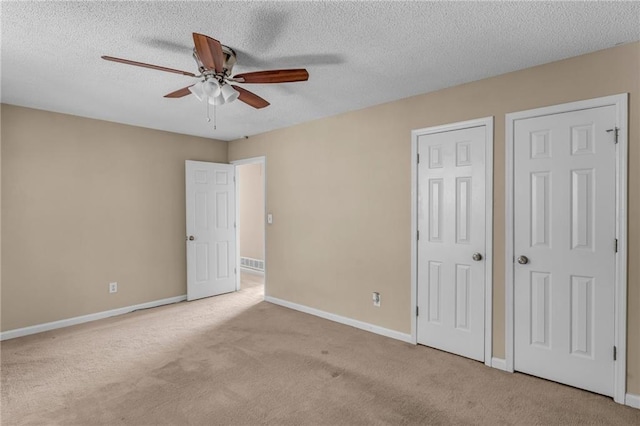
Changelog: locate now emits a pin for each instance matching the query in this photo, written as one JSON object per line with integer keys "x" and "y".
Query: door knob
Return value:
{"x": 523, "y": 260}
{"x": 191, "y": 238}
{"x": 477, "y": 257}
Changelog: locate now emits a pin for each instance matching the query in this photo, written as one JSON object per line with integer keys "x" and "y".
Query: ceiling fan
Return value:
{"x": 215, "y": 62}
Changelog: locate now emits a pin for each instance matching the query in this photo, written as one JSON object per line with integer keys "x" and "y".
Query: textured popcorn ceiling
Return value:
{"x": 358, "y": 53}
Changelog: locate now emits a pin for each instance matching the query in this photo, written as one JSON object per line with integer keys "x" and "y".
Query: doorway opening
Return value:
{"x": 250, "y": 223}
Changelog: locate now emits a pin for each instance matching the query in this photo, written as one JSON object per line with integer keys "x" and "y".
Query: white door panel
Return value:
{"x": 451, "y": 223}
{"x": 564, "y": 224}
{"x": 211, "y": 237}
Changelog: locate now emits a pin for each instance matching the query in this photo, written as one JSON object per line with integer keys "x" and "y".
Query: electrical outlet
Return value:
{"x": 113, "y": 287}
{"x": 376, "y": 299}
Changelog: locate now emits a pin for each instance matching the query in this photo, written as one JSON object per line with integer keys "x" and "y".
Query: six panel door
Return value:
{"x": 451, "y": 226}
{"x": 211, "y": 235}
{"x": 564, "y": 244}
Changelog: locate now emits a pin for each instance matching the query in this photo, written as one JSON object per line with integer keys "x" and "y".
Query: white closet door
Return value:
{"x": 564, "y": 244}
{"x": 451, "y": 225}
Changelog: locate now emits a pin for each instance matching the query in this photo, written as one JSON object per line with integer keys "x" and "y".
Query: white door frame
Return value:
{"x": 253, "y": 160}
{"x": 620, "y": 331}
{"x": 488, "y": 290}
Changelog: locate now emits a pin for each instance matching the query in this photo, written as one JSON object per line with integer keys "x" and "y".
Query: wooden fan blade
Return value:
{"x": 142, "y": 64}
{"x": 251, "y": 98}
{"x": 179, "y": 93}
{"x": 274, "y": 76}
{"x": 209, "y": 51}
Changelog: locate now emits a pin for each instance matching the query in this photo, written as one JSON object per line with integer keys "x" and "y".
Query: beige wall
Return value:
{"x": 87, "y": 202}
{"x": 339, "y": 189}
{"x": 251, "y": 196}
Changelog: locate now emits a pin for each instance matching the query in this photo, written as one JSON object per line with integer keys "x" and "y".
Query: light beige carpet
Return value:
{"x": 235, "y": 360}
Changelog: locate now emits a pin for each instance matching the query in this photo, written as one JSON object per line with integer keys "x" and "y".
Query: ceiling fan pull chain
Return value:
{"x": 208, "y": 118}
{"x": 214, "y": 117}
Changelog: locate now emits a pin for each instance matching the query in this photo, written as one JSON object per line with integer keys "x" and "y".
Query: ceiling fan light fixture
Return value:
{"x": 197, "y": 91}
{"x": 229, "y": 93}
{"x": 211, "y": 88}
{"x": 217, "y": 100}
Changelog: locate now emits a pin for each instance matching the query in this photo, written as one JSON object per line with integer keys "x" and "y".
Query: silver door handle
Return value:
{"x": 523, "y": 260}
{"x": 477, "y": 257}
{"x": 191, "y": 238}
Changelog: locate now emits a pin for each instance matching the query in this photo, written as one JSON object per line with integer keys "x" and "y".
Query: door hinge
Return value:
{"x": 615, "y": 353}
{"x": 616, "y": 245}
{"x": 418, "y": 158}
{"x": 417, "y": 311}
{"x": 418, "y": 235}
{"x": 615, "y": 131}
{"x": 235, "y": 270}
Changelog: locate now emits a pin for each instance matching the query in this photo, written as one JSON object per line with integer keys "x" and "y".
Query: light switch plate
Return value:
{"x": 376, "y": 299}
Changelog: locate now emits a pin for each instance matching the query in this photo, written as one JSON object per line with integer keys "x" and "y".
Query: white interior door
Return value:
{"x": 452, "y": 241}
{"x": 564, "y": 246}
{"x": 211, "y": 236}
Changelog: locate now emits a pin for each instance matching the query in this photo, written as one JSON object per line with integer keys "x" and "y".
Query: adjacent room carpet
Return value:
{"x": 236, "y": 360}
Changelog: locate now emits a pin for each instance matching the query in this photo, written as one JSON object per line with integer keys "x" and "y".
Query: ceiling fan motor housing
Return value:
{"x": 229, "y": 62}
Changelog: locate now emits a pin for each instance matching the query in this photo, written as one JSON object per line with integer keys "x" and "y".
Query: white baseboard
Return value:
{"x": 632, "y": 400}
{"x": 19, "y": 332}
{"x": 342, "y": 320}
{"x": 499, "y": 364}
{"x": 251, "y": 271}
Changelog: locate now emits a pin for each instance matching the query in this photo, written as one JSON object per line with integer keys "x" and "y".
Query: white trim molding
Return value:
{"x": 632, "y": 400}
{"x": 19, "y": 332}
{"x": 252, "y": 160}
{"x": 487, "y": 122}
{"x": 499, "y": 364}
{"x": 342, "y": 320}
{"x": 620, "y": 333}
{"x": 252, "y": 271}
